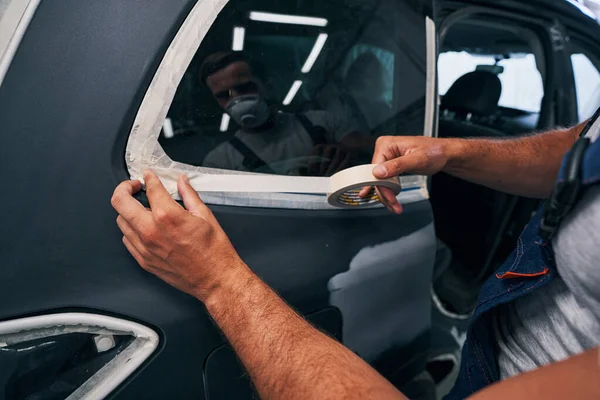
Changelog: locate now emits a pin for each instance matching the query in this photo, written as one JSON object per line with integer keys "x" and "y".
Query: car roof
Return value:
{"x": 571, "y": 13}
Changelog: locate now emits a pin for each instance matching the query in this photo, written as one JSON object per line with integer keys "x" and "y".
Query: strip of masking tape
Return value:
{"x": 341, "y": 189}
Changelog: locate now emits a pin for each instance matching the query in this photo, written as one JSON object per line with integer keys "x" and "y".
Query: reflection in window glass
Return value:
{"x": 363, "y": 57}
{"x": 587, "y": 86}
{"x": 522, "y": 86}
{"x": 299, "y": 88}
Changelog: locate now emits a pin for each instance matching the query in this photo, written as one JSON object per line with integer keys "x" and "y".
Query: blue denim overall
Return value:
{"x": 529, "y": 267}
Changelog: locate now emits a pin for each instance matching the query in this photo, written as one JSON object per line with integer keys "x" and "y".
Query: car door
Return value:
{"x": 93, "y": 92}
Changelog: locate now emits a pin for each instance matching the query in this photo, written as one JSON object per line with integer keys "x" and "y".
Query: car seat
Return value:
{"x": 470, "y": 218}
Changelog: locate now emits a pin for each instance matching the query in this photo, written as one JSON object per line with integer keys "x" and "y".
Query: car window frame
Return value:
{"x": 13, "y": 23}
{"x": 108, "y": 377}
{"x": 144, "y": 152}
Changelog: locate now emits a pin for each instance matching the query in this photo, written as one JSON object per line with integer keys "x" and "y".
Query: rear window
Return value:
{"x": 522, "y": 85}
{"x": 301, "y": 88}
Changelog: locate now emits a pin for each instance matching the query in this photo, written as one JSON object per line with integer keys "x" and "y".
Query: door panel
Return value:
{"x": 67, "y": 105}
{"x": 225, "y": 377}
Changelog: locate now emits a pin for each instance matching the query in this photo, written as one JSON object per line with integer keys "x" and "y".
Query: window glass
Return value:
{"x": 54, "y": 367}
{"x": 587, "y": 85}
{"x": 300, "y": 88}
{"x": 383, "y": 58}
{"x": 522, "y": 86}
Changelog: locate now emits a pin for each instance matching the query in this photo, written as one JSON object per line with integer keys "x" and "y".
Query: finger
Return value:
{"x": 191, "y": 199}
{"x": 383, "y": 152}
{"x": 398, "y": 165}
{"x": 388, "y": 198}
{"x": 381, "y": 198}
{"x": 136, "y": 185}
{"x": 158, "y": 197}
{"x": 129, "y": 232}
{"x": 128, "y": 207}
{"x": 167, "y": 276}
{"x": 365, "y": 192}
{"x": 379, "y": 158}
{"x": 134, "y": 252}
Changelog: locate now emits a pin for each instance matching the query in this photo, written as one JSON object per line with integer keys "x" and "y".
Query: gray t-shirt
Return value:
{"x": 561, "y": 319}
{"x": 286, "y": 147}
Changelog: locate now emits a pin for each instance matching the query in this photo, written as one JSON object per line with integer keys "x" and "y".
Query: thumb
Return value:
{"x": 399, "y": 165}
{"x": 190, "y": 198}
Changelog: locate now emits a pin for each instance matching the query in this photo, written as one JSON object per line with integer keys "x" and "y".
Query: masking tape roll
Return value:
{"x": 346, "y": 184}
{"x": 341, "y": 189}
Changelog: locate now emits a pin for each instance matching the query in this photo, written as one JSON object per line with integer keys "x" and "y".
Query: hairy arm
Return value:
{"x": 575, "y": 378}
{"x": 525, "y": 166}
{"x": 285, "y": 356}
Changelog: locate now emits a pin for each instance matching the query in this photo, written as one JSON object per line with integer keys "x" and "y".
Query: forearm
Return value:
{"x": 525, "y": 166}
{"x": 575, "y": 378}
{"x": 285, "y": 356}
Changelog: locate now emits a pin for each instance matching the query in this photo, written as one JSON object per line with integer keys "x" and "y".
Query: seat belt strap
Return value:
{"x": 251, "y": 161}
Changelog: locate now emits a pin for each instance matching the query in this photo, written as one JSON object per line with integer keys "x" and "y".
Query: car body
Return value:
{"x": 85, "y": 90}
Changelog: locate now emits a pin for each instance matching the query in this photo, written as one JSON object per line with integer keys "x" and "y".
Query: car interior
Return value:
{"x": 499, "y": 45}
{"x": 372, "y": 83}
{"x": 477, "y": 225}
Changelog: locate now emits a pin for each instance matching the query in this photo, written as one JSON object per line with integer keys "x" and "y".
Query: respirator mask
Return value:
{"x": 249, "y": 111}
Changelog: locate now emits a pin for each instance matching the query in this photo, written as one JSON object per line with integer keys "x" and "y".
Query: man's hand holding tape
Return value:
{"x": 396, "y": 155}
{"x": 525, "y": 166}
{"x": 187, "y": 248}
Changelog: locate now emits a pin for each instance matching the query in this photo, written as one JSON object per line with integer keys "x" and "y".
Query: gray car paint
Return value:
{"x": 66, "y": 107}
{"x": 67, "y": 104}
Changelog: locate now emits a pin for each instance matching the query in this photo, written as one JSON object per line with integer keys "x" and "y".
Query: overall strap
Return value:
{"x": 316, "y": 133}
{"x": 580, "y": 168}
{"x": 251, "y": 160}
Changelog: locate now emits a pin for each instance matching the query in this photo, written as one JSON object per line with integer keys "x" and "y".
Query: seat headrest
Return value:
{"x": 477, "y": 92}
